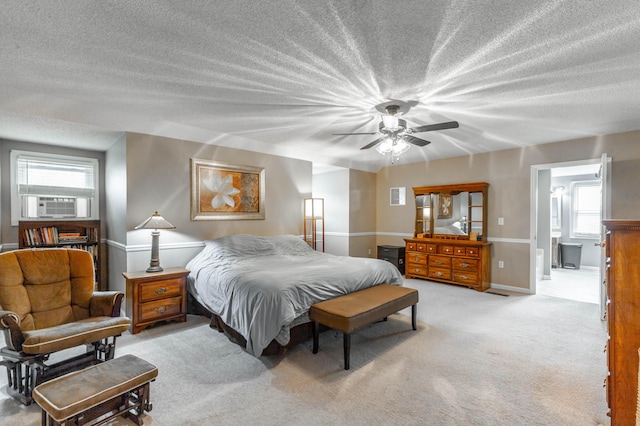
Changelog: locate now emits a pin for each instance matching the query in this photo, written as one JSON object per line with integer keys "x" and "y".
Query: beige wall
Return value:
{"x": 146, "y": 173}
{"x": 350, "y": 211}
{"x": 508, "y": 173}
{"x": 362, "y": 214}
{"x": 333, "y": 188}
{"x": 158, "y": 178}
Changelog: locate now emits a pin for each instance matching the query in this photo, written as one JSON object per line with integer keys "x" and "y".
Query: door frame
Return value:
{"x": 533, "y": 215}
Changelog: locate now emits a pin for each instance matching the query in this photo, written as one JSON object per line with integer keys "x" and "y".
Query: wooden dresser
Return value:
{"x": 623, "y": 318}
{"x": 156, "y": 296}
{"x": 463, "y": 262}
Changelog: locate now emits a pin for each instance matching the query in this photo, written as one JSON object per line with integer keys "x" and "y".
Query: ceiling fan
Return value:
{"x": 396, "y": 136}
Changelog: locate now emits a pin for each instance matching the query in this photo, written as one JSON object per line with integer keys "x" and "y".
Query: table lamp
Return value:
{"x": 155, "y": 222}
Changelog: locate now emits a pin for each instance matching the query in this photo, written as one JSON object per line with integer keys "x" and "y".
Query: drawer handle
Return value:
{"x": 161, "y": 290}
{"x": 439, "y": 262}
{"x": 161, "y": 309}
{"x": 439, "y": 273}
{"x": 464, "y": 265}
{"x": 464, "y": 277}
{"x": 417, "y": 259}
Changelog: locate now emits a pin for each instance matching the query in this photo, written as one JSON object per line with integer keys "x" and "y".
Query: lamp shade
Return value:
{"x": 313, "y": 208}
{"x": 155, "y": 222}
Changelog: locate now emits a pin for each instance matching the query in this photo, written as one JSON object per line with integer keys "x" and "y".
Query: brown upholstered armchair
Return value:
{"x": 48, "y": 304}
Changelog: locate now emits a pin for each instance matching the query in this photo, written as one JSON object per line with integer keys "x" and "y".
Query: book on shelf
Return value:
{"x": 47, "y": 235}
{"x": 71, "y": 238}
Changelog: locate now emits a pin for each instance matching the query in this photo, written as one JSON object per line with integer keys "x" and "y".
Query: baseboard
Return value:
{"x": 510, "y": 288}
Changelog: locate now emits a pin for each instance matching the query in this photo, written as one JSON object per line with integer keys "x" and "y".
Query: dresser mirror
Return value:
{"x": 451, "y": 211}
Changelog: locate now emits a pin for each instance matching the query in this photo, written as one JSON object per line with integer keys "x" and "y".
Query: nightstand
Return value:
{"x": 393, "y": 254}
{"x": 156, "y": 296}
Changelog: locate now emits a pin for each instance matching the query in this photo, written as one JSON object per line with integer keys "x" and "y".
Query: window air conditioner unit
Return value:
{"x": 56, "y": 207}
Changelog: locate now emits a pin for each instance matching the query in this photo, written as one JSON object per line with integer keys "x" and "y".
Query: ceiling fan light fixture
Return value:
{"x": 394, "y": 147}
{"x": 400, "y": 147}
{"x": 385, "y": 147}
{"x": 390, "y": 122}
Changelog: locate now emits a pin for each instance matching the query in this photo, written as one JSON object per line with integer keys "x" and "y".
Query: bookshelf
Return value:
{"x": 79, "y": 234}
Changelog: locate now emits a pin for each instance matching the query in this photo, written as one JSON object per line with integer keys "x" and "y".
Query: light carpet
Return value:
{"x": 476, "y": 359}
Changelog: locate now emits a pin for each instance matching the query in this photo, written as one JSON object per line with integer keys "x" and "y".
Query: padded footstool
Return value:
{"x": 116, "y": 387}
{"x": 352, "y": 311}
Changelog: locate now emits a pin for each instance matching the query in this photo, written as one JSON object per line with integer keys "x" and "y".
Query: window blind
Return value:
{"x": 38, "y": 176}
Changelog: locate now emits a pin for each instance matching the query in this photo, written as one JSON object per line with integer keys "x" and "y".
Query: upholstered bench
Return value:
{"x": 352, "y": 311}
{"x": 116, "y": 387}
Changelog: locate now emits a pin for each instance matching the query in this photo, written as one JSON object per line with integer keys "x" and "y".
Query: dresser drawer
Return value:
{"x": 467, "y": 278}
{"x": 417, "y": 258}
{"x": 440, "y": 273}
{"x": 472, "y": 251}
{"x": 158, "y": 309}
{"x": 160, "y": 289}
{"x": 432, "y": 248}
{"x": 417, "y": 269}
{"x": 460, "y": 251}
{"x": 469, "y": 265}
{"x": 439, "y": 261}
{"x": 446, "y": 250}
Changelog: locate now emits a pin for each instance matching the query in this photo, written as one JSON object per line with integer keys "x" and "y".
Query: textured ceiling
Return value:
{"x": 283, "y": 76}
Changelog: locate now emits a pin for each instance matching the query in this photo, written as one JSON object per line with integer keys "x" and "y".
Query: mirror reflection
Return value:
{"x": 451, "y": 217}
{"x": 451, "y": 211}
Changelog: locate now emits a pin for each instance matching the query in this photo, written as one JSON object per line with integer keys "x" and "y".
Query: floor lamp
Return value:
{"x": 314, "y": 222}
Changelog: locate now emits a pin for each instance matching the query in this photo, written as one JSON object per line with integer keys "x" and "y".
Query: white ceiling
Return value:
{"x": 283, "y": 76}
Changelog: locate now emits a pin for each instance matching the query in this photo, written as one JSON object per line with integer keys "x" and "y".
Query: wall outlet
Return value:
{"x": 501, "y": 221}
{"x": 369, "y": 252}
{"x": 500, "y": 264}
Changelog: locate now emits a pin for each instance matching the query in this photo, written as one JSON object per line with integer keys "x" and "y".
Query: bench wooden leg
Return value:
{"x": 414, "y": 309}
{"x": 316, "y": 333}
{"x": 346, "y": 337}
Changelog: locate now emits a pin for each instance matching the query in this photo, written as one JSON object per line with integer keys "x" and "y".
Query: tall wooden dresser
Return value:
{"x": 623, "y": 318}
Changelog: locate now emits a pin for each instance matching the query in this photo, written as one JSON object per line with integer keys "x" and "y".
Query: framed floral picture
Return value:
{"x": 445, "y": 206}
{"x": 222, "y": 191}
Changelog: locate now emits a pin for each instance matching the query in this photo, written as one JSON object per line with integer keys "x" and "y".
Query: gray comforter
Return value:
{"x": 260, "y": 285}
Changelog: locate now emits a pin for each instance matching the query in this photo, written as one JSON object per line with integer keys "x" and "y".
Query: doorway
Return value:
{"x": 554, "y": 218}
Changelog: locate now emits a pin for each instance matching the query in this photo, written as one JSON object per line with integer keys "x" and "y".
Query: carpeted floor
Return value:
{"x": 476, "y": 359}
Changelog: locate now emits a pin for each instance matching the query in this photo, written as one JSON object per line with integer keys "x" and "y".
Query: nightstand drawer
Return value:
{"x": 159, "y": 309}
{"x": 160, "y": 289}
{"x": 385, "y": 252}
{"x": 157, "y": 296}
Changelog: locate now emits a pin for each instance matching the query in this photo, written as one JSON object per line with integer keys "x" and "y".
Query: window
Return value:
{"x": 48, "y": 186}
{"x": 586, "y": 206}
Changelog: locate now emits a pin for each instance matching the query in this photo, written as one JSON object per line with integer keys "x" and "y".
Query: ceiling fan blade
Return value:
{"x": 365, "y": 133}
{"x": 374, "y": 143}
{"x": 439, "y": 126}
{"x": 416, "y": 141}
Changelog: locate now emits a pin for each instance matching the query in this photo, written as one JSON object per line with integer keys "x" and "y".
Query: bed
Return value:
{"x": 258, "y": 290}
